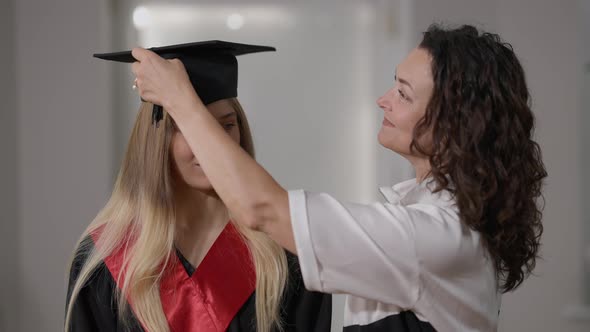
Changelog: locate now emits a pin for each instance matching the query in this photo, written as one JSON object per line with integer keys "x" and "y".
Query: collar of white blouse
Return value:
{"x": 412, "y": 192}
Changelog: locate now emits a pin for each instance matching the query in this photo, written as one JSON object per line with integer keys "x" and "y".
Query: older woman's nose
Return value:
{"x": 380, "y": 102}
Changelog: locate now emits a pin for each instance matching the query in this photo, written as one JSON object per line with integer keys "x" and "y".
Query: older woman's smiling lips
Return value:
{"x": 386, "y": 123}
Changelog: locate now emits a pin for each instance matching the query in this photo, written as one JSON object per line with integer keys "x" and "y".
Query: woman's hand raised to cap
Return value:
{"x": 163, "y": 82}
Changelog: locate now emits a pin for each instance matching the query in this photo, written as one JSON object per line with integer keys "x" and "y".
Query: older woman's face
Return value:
{"x": 405, "y": 103}
{"x": 186, "y": 163}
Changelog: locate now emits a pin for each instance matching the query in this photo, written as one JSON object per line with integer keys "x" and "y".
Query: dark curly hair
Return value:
{"x": 482, "y": 149}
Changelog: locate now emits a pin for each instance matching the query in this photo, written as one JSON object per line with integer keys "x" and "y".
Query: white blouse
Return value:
{"x": 411, "y": 253}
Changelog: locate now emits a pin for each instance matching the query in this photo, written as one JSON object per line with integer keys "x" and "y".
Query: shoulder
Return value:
{"x": 81, "y": 255}
{"x": 304, "y": 310}
{"x": 442, "y": 241}
{"x": 295, "y": 277}
{"x": 295, "y": 288}
{"x": 95, "y": 306}
{"x": 80, "y": 258}
{"x": 295, "y": 283}
{"x": 292, "y": 261}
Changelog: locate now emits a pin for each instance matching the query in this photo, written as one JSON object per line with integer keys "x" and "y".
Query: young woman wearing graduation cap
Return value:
{"x": 164, "y": 254}
{"x": 445, "y": 246}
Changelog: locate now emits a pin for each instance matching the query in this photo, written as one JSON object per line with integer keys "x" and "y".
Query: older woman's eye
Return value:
{"x": 402, "y": 94}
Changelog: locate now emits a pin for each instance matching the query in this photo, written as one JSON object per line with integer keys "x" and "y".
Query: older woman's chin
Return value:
{"x": 391, "y": 142}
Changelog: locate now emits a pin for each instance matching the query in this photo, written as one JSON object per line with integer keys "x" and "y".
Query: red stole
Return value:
{"x": 210, "y": 298}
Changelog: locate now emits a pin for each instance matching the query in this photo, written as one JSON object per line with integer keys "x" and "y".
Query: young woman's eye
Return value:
{"x": 229, "y": 126}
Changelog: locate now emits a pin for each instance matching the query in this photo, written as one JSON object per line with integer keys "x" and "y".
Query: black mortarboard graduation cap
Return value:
{"x": 211, "y": 66}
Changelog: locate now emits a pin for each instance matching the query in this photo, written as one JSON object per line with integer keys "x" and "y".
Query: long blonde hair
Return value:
{"x": 141, "y": 208}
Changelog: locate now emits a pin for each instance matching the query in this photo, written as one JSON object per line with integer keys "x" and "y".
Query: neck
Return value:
{"x": 200, "y": 218}
{"x": 198, "y": 210}
{"x": 421, "y": 168}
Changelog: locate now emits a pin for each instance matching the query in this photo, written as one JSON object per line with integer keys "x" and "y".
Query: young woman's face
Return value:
{"x": 186, "y": 163}
{"x": 405, "y": 103}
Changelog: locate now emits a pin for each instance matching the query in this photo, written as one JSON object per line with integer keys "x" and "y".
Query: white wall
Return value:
{"x": 8, "y": 169}
{"x": 545, "y": 35}
{"x": 64, "y": 144}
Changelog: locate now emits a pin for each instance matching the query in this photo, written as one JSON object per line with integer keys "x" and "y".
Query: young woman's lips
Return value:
{"x": 386, "y": 123}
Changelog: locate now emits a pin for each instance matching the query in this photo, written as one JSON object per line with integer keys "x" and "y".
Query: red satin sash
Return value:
{"x": 210, "y": 298}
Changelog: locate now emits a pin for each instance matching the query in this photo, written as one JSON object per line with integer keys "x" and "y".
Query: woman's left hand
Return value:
{"x": 162, "y": 82}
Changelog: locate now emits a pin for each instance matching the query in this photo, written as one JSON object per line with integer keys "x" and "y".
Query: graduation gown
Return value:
{"x": 218, "y": 295}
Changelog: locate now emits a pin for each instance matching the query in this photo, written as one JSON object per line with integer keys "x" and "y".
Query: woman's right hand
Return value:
{"x": 164, "y": 82}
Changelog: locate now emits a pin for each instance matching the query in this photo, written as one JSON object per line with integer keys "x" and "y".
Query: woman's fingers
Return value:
{"x": 160, "y": 81}
{"x": 143, "y": 70}
{"x": 140, "y": 54}
{"x": 135, "y": 68}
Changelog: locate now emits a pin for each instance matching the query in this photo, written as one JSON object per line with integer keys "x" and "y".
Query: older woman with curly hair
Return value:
{"x": 445, "y": 246}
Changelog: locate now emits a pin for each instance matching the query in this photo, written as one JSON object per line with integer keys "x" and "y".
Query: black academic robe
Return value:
{"x": 217, "y": 296}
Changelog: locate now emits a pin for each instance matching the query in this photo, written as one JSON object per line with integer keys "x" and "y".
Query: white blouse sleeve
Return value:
{"x": 367, "y": 251}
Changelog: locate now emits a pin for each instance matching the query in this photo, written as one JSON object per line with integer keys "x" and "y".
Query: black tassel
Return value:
{"x": 157, "y": 115}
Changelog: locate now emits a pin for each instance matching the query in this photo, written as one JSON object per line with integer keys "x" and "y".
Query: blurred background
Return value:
{"x": 66, "y": 117}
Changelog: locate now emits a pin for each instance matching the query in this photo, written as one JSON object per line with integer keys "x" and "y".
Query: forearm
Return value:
{"x": 252, "y": 196}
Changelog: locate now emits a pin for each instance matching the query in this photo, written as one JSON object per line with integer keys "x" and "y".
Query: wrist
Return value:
{"x": 184, "y": 105}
